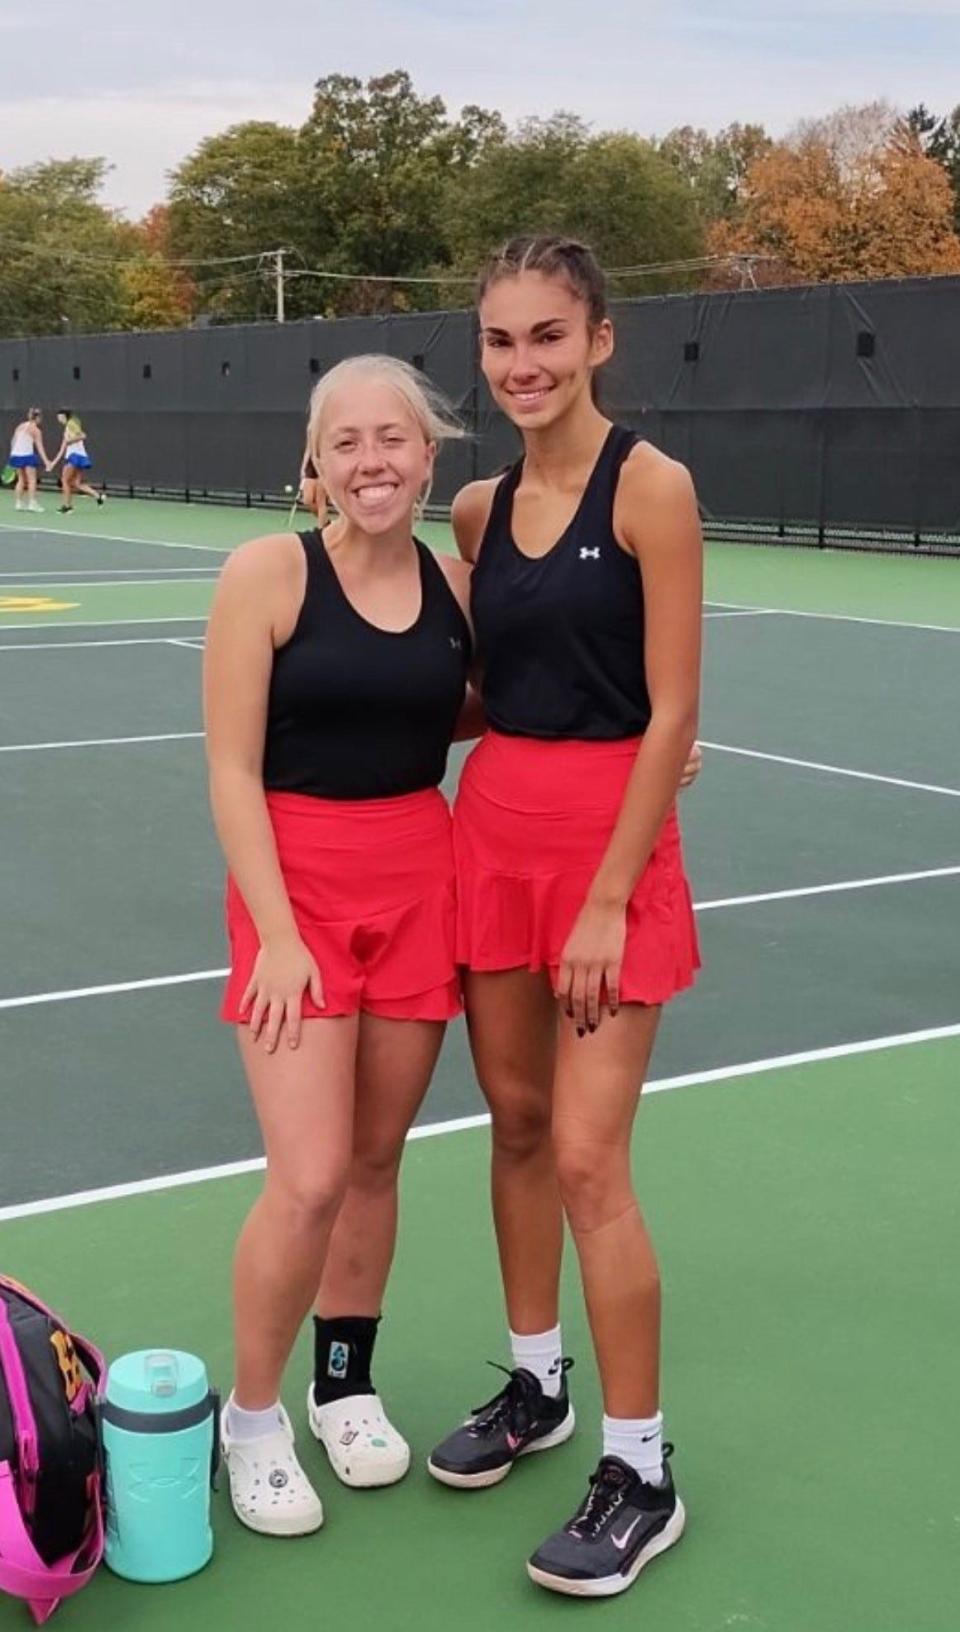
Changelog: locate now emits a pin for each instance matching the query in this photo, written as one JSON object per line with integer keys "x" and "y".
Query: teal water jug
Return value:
{"x": 160, "y": 1428}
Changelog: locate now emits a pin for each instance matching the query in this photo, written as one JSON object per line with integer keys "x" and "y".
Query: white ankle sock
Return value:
{"x": 638, "y": 1441}
{"x": 541, "y": 1353}
{"x": 243, "y": 1424}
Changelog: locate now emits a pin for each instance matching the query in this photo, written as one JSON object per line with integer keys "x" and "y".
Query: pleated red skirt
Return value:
{"x": 530, "y": 825}
{"x": 371, "y": 884}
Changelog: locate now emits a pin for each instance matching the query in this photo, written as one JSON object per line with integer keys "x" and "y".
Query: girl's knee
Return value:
{"x": 376, "y": 1165}
{"x": 520, "y": 1122}
{"x": 595, "y": 1184}
{"x": 309, "y": 1200}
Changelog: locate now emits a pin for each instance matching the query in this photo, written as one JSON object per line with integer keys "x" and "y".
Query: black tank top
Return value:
{"x": 560, "y": 638}
{"x": 357, "y": 712}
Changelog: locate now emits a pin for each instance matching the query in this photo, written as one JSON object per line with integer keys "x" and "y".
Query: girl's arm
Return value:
{"x": 238, "y": 661}
{"x": 37, "y": 435}
{"x": 660, "y": 522}
{"x": 471, "y": 721}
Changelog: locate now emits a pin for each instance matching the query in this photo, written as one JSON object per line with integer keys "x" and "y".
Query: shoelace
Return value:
{"x": 512, "y": 1407}
{"x": 607, "y": 1493}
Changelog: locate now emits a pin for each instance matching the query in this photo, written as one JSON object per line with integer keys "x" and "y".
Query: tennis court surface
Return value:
{"x": 796, "y": 1159}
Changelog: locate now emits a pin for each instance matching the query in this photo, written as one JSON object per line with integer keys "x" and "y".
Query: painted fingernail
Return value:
{"x": 591, "y": 1028}
{"x": 581, "y": 1032}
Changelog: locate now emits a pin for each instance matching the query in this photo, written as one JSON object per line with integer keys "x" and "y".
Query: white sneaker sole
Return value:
{"x": 496, "y": 1476}
{"x": 361, "y": 1466}
{"x": 607, "y": 1586}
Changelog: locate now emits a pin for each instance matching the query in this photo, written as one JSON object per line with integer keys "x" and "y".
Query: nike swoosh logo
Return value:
{"x": 621, "y": 1541}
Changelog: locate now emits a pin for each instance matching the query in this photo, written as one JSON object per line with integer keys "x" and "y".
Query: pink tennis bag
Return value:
{"x": 51, "y": 1502}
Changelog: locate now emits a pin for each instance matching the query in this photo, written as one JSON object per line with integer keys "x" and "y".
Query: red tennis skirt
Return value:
{"x": 530, "y": 825}
{"x": 371, "y": 884}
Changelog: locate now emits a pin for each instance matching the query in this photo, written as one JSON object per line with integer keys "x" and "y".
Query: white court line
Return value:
{"x": 129, "y": 575}
{"x": 97, "y": 742}
{"x": 840, "y": 617}
{"x": 81, "y": 645}
{"x": 827, "y": 889}
{"x": 724, "y": 1073}
{"x": 130, "y": 583}
{"x": 102, "y": 623}
{"x": 191, "y": 645}
{"x": 116, "y": 538}
{"x": 32, "y": 999}
{"x": 746, "y": 612}
{"x": 832, "y": 770}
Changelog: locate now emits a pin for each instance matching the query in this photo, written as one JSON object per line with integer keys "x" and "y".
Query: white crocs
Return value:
{"x": 364, "y": 1448}
{"x": 268, "y": 1488}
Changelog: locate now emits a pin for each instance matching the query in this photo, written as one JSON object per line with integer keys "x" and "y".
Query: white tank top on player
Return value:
{"x": 22, "y": 442}
{"x": 77, "y": 447}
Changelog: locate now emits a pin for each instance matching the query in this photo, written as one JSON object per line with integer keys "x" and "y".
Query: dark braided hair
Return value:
{"x": 554, "y": 257}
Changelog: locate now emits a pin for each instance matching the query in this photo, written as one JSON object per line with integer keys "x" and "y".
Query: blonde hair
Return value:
{"x": 429, "y": 407}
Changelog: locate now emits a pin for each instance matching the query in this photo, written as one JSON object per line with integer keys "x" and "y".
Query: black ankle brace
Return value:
{"x": 342, "y": 1356}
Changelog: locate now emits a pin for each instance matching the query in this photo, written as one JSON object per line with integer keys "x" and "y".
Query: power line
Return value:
{"x": 59, "y": 253}
{"x": 267, "y": 262}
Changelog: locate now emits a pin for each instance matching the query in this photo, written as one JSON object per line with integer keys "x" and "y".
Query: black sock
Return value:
{"x": 342, "y": 1356}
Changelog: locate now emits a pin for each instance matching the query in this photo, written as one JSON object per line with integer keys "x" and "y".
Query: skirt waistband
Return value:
{"x": 527, "y": 774}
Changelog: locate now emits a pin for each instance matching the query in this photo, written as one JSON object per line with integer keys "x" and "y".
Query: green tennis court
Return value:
{"x": 796, "y": 1158}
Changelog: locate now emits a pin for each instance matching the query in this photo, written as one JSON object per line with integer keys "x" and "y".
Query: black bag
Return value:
{"x": 51, "y": 1505}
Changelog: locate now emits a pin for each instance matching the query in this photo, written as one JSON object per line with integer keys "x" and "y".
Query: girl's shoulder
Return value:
{"x": 262, "y": 562}
{"x": 649, "y": 473}
{"x": 469, "y": 514}
{"x": 457, "y": 572}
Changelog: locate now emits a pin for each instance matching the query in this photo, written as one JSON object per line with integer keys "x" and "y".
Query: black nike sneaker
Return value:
{"x": 518, "y": 1420}
{"x": 622, "y": 1523}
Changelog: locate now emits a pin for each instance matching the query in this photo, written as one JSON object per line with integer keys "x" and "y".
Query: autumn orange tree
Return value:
{"x": 157, "y": 292}
{"x": 851, "y": 196}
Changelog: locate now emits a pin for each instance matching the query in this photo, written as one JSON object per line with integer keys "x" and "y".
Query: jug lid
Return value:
{"x": 156, "y": 1380}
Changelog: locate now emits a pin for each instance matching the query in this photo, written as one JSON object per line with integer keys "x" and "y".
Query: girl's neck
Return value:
{"x": 571, "y": 444}
{"x": 383, "y": 553}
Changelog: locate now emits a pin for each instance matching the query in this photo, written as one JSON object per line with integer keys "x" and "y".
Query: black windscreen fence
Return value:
{"x": 818, "y": 414}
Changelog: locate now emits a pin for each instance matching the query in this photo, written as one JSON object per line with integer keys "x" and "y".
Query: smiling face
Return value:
{"x": 375, "y": 460}
{"x": 539, "y": 350}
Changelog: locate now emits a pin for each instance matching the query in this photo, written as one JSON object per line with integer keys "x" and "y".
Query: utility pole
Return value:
{"x": 279, "y": 278}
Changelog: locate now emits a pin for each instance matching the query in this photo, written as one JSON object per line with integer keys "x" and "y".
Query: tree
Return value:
{"x": 242, "y": 193}
{"x": 714, "y": 167}
{"x": 360, "y": 190}
{"x": 379, "y": 155}
{"x": 158, "y": 293}
{"x": 60, "y": 250}
{"x": 939, "y": 139}
{"x": 614, "y": 190}
{"x": 846, "y": 197}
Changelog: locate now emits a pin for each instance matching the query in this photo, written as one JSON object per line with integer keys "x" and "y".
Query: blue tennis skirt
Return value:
{"x": 24, "y": 461}
{"x": 78, "y": 460}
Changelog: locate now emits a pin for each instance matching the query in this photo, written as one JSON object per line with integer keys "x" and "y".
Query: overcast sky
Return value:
{"x": 142, "y": 84}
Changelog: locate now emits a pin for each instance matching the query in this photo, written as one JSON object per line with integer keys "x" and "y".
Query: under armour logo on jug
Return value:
{"x": 587, "y": 555}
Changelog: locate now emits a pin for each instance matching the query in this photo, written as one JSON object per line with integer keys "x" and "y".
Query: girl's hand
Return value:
{"x": 693, "y": 767}
{"x": 283, "y": 971}
{"x": 591, "y": 958}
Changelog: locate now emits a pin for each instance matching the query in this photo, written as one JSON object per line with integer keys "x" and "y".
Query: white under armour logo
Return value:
{"x": 587, "y": 555}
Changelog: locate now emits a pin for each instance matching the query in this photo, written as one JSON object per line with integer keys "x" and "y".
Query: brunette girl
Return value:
{"x": 575, "y": 921}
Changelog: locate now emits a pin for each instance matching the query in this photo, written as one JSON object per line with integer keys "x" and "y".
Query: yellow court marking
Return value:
{"x": 35, "y": 603}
